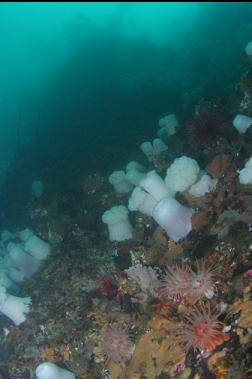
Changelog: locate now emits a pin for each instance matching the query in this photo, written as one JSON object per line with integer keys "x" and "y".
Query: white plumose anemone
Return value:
{"x": 6, "y": 282}
{"x": 14, "y": 307}
{"x": 119, "y": 182}
{"x": 173, "y": 217}
{"x": 135, "y": 172}
{"x": 37, "y": 188}
{"x": 159, "y": 146}
{"x": 248, "y": 50}
{"x": 25, "y": 234}
{"x": 245, "y": 175}
{"x": 23, "y": 261}
{"x": 134, "y": 165}
{"x": 119, "y": 226}
{"x": 36, "y": 247}
{"x": 182, "y": 174}
{"x": 19, "y": 261}
{"x": 48, "y": 370}
{"x": 141, "y": 201}
{"x": 155, "y": 186}
{"x": 6, "y": 236}
{"x": 204, "y": 185}
{"x": 242, "y": 123}
{"x": 134, "y": 177}
{"x": 153, "y": 149}
{"x": 162, "y": 133}
{"x": 168, "y": 124}
{"x": 148, "y": 150}
{"x": 16, "y": 275}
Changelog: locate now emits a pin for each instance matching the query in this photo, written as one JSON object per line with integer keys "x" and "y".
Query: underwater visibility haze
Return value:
{"x": 125, "y": 190}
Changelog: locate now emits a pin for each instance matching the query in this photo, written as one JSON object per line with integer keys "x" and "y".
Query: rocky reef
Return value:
{"x": 149, "y": 305}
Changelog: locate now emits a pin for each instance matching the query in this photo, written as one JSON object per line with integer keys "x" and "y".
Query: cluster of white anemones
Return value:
{"x": 20, "y": 256}
{"x": 153, "y": 195}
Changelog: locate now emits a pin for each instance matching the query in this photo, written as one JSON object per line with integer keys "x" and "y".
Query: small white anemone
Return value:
{"x": 135, "y": 172}
{"x": 169, "y": 124}
{"x": 148, "y": 150}
{"x": 141, "y": 201}
{"x": 23, "y": 261}
{"x": 37, "y": 188}
{"x": 204, "y": 185}
{"x": 14, "y": 307}
{"x": 37, "y": 247}
{"x": 16, "y": 275}
{"x": 245, "y": 175}
{"x": 119, "y": 226}
{"x": 182, "y": 174}
{"x": 248, "y": 49}
{"x": 248, "y": 163}
{"x": 154, "y": 185}
{"x": 25, "y": 234}
{"x": 134, "y": 176}
{"x": 5, "y": 261}
{"x": 6, "y": 236}
{"x": 242, "y": 123}
{"x": 48, "y": 370}
{"x": 159, "y": 146}
{"x": 5, "y": 281}
{"x": 162, "y": 133}
{"x": 119, "y": 182}
{"x": 173, "y": 217}
{"x": 134, "y": 165}
{"x": 13, "y": 273}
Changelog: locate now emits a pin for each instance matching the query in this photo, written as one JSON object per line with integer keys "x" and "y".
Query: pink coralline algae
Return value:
{"x": 180, "y": 367}
{"x": 248, "y": 272}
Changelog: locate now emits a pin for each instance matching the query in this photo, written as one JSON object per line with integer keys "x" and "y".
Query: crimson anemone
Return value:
{"x": 184, "y": 284}
{"x": 202, "y": 331}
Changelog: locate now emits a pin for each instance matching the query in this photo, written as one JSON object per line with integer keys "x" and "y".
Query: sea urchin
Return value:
{"x": 206, "y": 126}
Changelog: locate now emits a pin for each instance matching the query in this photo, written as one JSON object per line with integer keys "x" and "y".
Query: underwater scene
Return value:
{"x": 126, "y": 190}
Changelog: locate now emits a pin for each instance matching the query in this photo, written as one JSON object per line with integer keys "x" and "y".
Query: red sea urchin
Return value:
{"x": 202, "y": 331}
{"x": 183, "y": 284}
{"x": 207, "y": 126}
{"x": 116, "y": 346}
{"x": 108, "y": 287}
